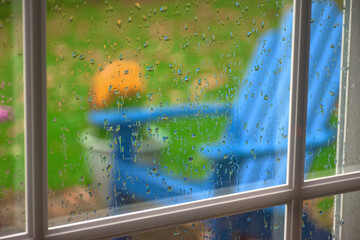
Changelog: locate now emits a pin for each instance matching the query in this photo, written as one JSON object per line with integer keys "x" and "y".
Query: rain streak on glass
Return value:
{"x": 12, "y": 159}
{"x": 159, "y": 103}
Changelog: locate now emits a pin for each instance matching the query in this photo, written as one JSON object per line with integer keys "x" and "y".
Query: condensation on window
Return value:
{"x": 12, "y": 163}
{"x": 153, "y": 103}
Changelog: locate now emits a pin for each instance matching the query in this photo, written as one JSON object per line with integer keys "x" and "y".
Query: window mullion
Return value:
{"x": 297, "y": 115}
{"x": 168, "y": 216}
{"x": 348, "y": 182}
{"x": 35, "y": 117}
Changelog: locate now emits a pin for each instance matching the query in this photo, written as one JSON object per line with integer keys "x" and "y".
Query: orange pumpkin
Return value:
{"x": 120, "y": 78}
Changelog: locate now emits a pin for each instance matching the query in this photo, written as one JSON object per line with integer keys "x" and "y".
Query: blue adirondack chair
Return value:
{"x": 253, "y": 150}
{"x": 257, "y": 137}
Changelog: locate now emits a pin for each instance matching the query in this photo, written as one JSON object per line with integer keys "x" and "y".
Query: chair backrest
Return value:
{"x": 259, "y": 120}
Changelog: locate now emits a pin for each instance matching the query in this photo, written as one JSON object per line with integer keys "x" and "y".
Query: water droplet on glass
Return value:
{"x": 75, "y": 54}
{"x": 118, "y": 22}
{"x": 149, "y": 130}
{"x": 137, "y": 5}
{"x": 109, "y": 166}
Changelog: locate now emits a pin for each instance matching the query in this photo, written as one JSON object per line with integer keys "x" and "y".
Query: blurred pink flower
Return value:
{"x": 5, "y": 113}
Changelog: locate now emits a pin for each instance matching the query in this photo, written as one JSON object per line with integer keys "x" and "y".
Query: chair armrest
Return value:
{"x": 113, "y": 117}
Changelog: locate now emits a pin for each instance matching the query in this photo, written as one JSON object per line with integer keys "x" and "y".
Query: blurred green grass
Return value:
{"x": 99, "y": 33}
{"x": 90, "y": 27}
{"x": 12, "y": 174}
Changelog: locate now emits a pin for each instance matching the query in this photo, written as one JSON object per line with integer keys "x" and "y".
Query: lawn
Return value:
{"x": 189, "y": 52}
{"x": 175, "y": 48}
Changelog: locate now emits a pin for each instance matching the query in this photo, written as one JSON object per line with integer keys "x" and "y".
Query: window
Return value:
{"x": 299, "y": 180}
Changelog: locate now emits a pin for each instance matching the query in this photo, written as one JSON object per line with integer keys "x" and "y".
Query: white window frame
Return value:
{"x": 291, "y": 194}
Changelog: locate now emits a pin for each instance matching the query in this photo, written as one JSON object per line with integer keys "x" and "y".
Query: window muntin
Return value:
{"x": 12, "y": 173}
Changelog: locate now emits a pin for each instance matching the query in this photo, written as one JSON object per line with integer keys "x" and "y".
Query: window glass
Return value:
{"x": 332, "y": 119}
{"x": 324, "y": 73}
{"x": 12, "y": 175}
{"x": 158, "y": 103}
{"x": 332, "y": 217}
{"x": 261, "y": 224}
